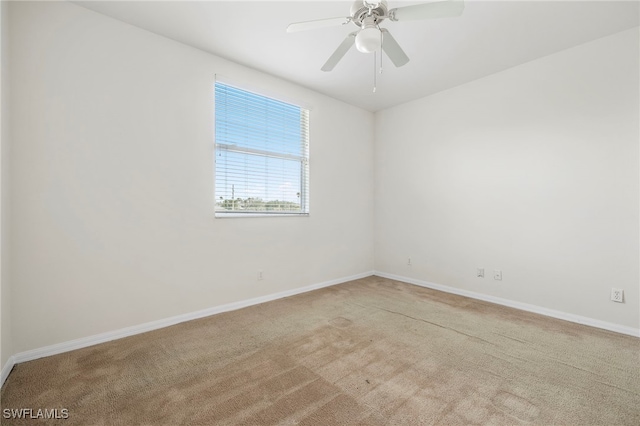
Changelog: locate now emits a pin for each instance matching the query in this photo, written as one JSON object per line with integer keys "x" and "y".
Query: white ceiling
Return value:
{"x": 487, "y": 38}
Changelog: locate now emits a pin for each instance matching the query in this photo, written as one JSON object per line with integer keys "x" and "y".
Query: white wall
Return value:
{"x": 5, "y": 290}
{"x": 533, "y": 171}
{"x": 112, "y": 185}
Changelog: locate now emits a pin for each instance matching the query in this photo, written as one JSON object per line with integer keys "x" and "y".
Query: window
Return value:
{"x": 262, "y": 155}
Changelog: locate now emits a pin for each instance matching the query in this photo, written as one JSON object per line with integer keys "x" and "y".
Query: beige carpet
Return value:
{"x": 370, "y": 352}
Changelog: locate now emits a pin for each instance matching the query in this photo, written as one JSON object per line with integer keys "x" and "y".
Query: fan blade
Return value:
{"x": 319, "y": 23}
{"x": 393, "y": 49}
{"x": 442, "y": 9}
{"x": 340, "y": 52}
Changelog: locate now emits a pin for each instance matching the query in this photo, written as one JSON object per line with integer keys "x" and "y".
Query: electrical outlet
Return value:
{"x": 497, "y": 274}
{"x": 617, "y": 295}
{"x": 259, "y": 275}
{"x": 480, "y": 273}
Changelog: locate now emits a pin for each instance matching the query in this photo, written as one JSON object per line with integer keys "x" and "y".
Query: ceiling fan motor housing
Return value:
{"x": 360, "y": 11}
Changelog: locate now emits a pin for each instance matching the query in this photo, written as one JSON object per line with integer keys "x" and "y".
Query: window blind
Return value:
{"x": 261, "y": 154}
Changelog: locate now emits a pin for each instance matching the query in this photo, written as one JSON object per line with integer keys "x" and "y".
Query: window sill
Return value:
{"x": 220, "y": 215}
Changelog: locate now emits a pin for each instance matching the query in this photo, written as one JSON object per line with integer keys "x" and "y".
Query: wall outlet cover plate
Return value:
{"x": 617, "y": 295}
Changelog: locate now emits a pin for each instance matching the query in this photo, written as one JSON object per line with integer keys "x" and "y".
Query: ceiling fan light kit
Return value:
{"x": 369, "y": 38}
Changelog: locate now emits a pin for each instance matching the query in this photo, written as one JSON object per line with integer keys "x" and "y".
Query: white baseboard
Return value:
{"x": 518, "y": 305}
{"x": 154, "y": 325}
{"x": 6, "y": 369}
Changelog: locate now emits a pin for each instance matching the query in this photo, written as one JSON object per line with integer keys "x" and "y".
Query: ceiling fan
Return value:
{"x": 368, "y": 15}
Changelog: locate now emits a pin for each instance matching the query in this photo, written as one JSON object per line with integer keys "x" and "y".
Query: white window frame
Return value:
{"x": 303, "y": 158}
